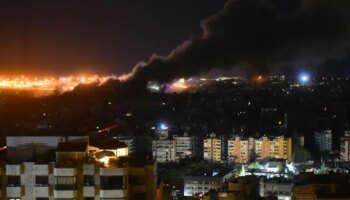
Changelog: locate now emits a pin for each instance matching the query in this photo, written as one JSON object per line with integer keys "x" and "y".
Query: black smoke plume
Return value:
{"x": 263, "y": 35}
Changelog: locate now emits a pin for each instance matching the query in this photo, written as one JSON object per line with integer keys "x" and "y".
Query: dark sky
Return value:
{"x": 61, "y": 37}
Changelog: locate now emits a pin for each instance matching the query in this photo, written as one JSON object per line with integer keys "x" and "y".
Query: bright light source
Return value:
{"x": 304, "y": 78}
{"x": 105, "y": 160}
{"x": 163, "y": 126}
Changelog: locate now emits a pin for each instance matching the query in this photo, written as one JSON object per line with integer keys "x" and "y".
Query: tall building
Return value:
{"x": 239, "y": 149}
{"x": 224, "y": 148}
{"x": 129, "y": 141}
{"x": 323, "y": 140}
{"x": 345, "y": 147}
{"x": 162, "y": 132}
{"x": 212, "y": 148}
{"x": 164, "y": 150}
{"x": 200, "y": 182}
{"x": 264, "y": 148}
{"x": 280, "y": 187}
{"x": 76, "y": 170}
{"x": 282, "y": 148}
{"x": 185, "y": 146}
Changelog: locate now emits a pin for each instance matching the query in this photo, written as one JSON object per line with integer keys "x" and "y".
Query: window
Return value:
{"x": 89, "y": 180}
{"x": 41, "y": 180}
{"x": 65, "y": 183}
{"x": 112, "y": 182}
{"x": 13, "y": 181}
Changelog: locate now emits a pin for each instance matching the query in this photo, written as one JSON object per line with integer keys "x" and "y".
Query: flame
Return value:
{"x": 178, "y": 86}
{"x": 50, "y": 84}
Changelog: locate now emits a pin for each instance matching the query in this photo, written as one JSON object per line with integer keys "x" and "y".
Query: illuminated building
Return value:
{"x": 282, "y": 148}
{"x": 242, "y": 150}
{"x": 323, "y": 140}
{"x": 345, "y": 147}
{"x": 162, "y": 132}
{"x": 239, "y": 149}
{"x": 129, "y": 141}
{"x": 75, "y": 170}
{"x": 164, "y": 150}
{"x": 277, "y": 147}
{"x": 185, "y": 146}
{"x": 212, "y": 148}
{"x": 280, "y": 187}
{"x": 201, "y": 182}
{"x": 263, "y": 148}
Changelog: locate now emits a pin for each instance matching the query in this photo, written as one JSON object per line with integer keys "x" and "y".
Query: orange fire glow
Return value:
{"x": 178, "y": 86}
{"x": 61, "y": 84}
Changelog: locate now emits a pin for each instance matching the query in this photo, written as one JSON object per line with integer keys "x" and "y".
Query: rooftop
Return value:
{"x": 72, "y": 147}
{"x": 112, "y": 144}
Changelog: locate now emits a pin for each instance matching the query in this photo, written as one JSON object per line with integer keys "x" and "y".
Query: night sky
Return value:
{"x": 174, "y": 39}
{"x": 98, "y": 36}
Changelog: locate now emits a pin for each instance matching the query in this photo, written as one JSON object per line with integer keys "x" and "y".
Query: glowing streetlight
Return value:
{"x": 163, "y": 126}
{"x": 304, "y": 78}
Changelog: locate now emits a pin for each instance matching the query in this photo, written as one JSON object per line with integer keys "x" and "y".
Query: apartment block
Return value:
{"x": 241, "y": 150}
{"x": 212, "y": 148}
{"x": 185, "y": 146}
{"x": 345, "y": 147}
{"x": 323, "y": 140}
{"x": 75, "y": 170}
{"x": 164, "y": 150}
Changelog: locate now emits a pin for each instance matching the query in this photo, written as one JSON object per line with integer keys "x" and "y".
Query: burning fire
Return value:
{"x": 51, "y": 84}
{"x": 178, "y": 86}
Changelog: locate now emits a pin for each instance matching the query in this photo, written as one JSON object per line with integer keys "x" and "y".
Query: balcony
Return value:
{"x": 13, "y": 170}
{"x": 113, "y": 193}
{"x": 41, "y": 170}
{"x": 112, "y": 171}
{"x": 14, "y": 191}
{"x": 41, "y": 191}
{"x": 65, "y": 187}
{"x": 65, "y": 191}
{"x": 88, "y": 169}
{"x": 89, "y": 191}
{"x": 65, "y": 171}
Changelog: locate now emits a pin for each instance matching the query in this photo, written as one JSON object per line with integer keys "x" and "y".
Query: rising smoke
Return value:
{"x": 261, "y": 35}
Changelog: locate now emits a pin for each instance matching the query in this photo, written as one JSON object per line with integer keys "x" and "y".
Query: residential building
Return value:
{"x": 264, "y": 148}
{"x": 212, "y": 148}
{"x": 129, "y": 141}
{"x": 185, "y": 146}
{"x": 345, "y": 147}
{"x": 279, "y": 187}
{"x": 239, "y": 149}
{"x": 200, "y": 182}
{"x": 75, "y": 170}
{"x": 323, "y": 140}
{"x": 164, "y": 150}
{"x": 282, "y": 148}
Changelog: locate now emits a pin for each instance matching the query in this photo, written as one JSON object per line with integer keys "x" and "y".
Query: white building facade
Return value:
{"x": 345, "y": 147}
{"x": 323, "y": 140}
